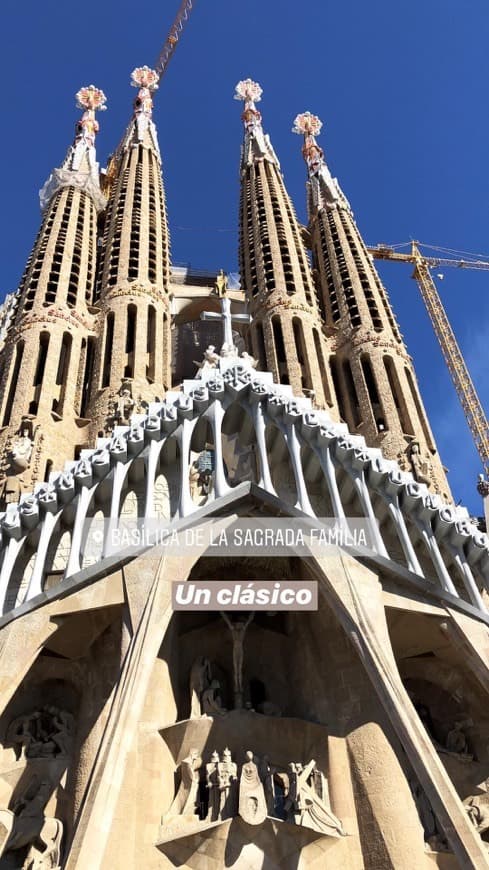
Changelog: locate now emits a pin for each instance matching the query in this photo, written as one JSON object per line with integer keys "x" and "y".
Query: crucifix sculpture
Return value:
{"x": 227, "y": 319}
{"x": 238, "y": 630}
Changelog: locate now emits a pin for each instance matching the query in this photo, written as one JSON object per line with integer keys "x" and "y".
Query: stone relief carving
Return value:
{"x": 456, "y": 742}
{"x": 221, "y": 784}
{"x": 186, "y": 800}
{"x": 17, "y": 458}
{"x": 121, "y": 406}
{"x": 200, "y": 677}
{"x": 420, "y": 465}
{"x": 211, "y": 700}
{"x": 204, "y": 690}
{"x": 45, "y": 733}
{"x": 305, "y": 804}
{"x": 30, "y": 830}
{"x": 201, "y": 476}
{"x": 221, "y": 284}
{"x": 21, "y": 450}
{"x": 477, "y": 808}
{"x": 210, "y": 361}
{"x": 296, "y": 793}
{"x": 252, "y": 804}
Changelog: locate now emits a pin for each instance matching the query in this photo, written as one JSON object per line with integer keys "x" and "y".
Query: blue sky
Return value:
{"x": 401, "y": 89}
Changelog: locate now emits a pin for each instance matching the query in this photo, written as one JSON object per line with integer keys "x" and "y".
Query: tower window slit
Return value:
{"x": 63, "y": 372}
{"x": 87, "y": 375}
{"x": 19, "y": 353}
{"x": 278, "y": 339}
{"x": 151, "y": 343}
{"x": 260, "y": 343}
{"x": 302, "y": 355}
{"x": 373, "y": 394}
{"x": 109, "y": 341}
{"x": 420, "y": 410}
{"x": 406, "y": 424}
{"x": 130, "y": 340}
{"x": 335, "y": 377}
{"x": 41, "y": 359}
{"x": 352, "y": 393}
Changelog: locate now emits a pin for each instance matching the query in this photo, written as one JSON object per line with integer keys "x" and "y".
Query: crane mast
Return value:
{"x": 467, "y": 394}
{"x": 171, "y": 41}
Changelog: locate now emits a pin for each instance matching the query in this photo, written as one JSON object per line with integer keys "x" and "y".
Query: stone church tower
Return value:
{"x": 239, "y": 625}
{"x": 51, "y": 324}
{"x": 374, "y": 380}
{"x": 133, "y": 350}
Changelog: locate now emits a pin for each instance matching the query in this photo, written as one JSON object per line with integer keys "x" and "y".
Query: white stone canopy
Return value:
{"x": 332, "y": 473}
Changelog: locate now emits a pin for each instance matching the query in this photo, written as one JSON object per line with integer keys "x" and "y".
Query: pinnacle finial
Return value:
{"x": 257, "y": 145}
{"x": 325, "y": 189}
{"x": 146, "y": 80}
{"x": 81, "y": 158}
{"x": 307, "y": 124}
{"x": 144, "y": 77}
{"x": 248, "y": 91}
{"x": 91, "y": 99}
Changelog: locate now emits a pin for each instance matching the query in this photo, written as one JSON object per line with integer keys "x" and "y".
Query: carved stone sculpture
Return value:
{"x": 121, "y": 407}
{"x": 185, "y": 802}
{"x": 31, "y": 828}
{"x": 266, "y": 773}
{"x": 212, "y": 782}
{"x": 252, "y": 803}
{"x": 21, "y": 451}
{"x": 200, "y": 679}
{"x": 221, "y": 285}
{"x": 210, "y": 361}
{"x": 420, "y": 466}
{"x": 238, "y": 629}
{"x": 477, "y": 808}
{"x": 305, "y": 807}
{"x": 211, "y": 700}
{"x": 456, "y": 741}
{"x": 228, "y": 786}
{"x": 44, "y": 733}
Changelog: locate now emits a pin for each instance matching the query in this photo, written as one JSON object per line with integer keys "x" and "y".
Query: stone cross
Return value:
{"x": 226, "y": 318}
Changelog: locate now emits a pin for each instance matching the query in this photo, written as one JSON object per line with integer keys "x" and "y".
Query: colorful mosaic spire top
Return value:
{"x": 91, "y": 98}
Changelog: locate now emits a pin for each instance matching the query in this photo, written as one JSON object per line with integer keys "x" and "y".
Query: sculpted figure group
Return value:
{"x": 44, "y": 733}
{"x": 218, "y": 790}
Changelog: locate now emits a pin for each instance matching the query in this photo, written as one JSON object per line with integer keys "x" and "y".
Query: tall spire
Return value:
{"x": 257, "y": 145}
{"x": 286, "y": 331}
{"x": 45, "y": 361}
{"x": 374, "y": 380}
{"x": 325, "y": 190}
{"x": 80, "y": 168}
{"x": 134, "y": 346}
{"x": 146, "y": 80}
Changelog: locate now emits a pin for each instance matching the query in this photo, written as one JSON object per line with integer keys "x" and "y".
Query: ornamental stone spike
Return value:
{"x": 91, "y": 99}
{"x": 257, "y": 145}
{"x": 325, "y": 189}
{"x": 146, "y": 80}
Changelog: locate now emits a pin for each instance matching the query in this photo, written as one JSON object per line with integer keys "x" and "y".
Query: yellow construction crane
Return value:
{"x": 169, "y": 46}
{"x": 161, "y": 66}
{"x": 473, "y": 410}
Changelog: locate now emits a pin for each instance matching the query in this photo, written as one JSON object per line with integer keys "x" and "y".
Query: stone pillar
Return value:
{"x": 342, "y": 797}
